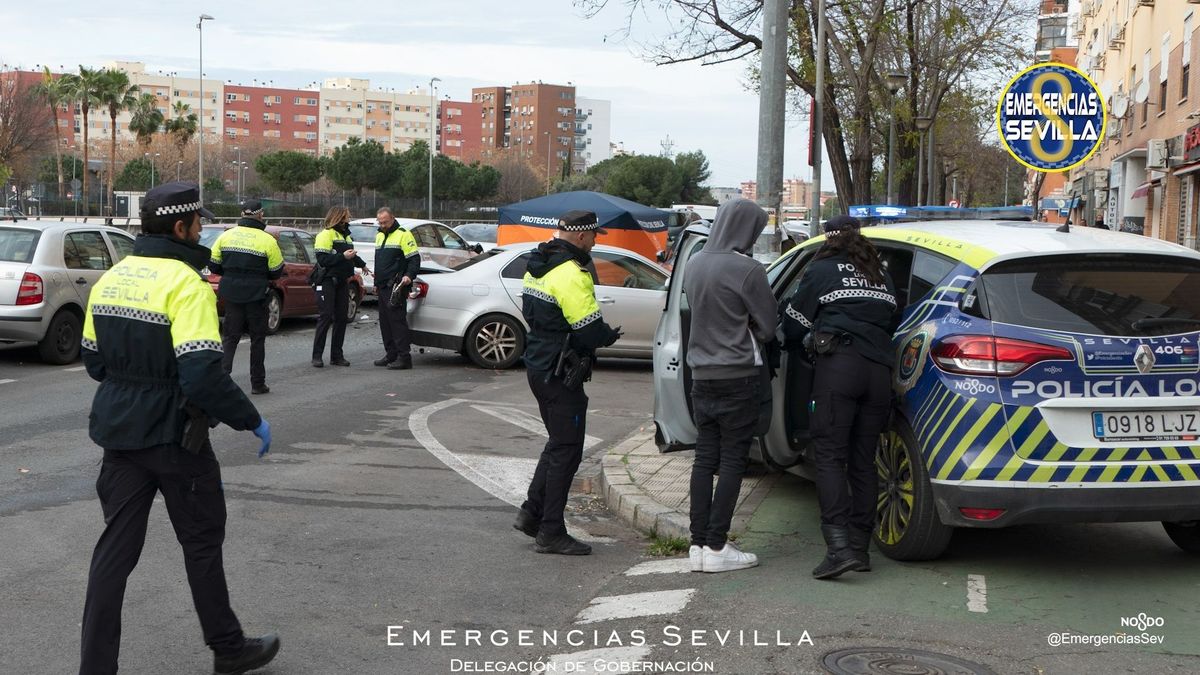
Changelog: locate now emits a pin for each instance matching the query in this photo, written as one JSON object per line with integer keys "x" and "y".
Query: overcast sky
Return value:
{"x": 401, "y": 44}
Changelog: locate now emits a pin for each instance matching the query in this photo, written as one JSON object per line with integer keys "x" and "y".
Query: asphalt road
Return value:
{"x": 350, "y": 525}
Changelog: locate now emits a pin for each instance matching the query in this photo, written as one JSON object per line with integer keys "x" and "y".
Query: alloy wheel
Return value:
{"x": 895, "y": 503}
{"x": 496, "y": 341}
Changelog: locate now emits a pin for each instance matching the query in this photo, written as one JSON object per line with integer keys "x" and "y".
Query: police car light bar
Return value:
{"x": 873, "y": 213}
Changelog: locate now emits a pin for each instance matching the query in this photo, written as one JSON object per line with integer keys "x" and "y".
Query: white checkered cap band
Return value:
{"x": 177, "y": 208}
{"x": 580, "y": 228}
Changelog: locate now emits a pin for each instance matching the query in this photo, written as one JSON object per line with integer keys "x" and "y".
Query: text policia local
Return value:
{"x": 1053, "y": 105}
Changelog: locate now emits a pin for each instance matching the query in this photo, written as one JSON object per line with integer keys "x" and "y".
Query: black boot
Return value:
{"x": 839, "y": 559}
{"x": 860, "y": 543}
{"x": 563, "y": 544}
{"x": 527, "y": 523}
{"x": 256, "y": 653}
{"x": 402, "y": 362}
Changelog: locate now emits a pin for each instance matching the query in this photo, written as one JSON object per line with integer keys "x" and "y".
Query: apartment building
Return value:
{"x": 796, "y": 192}
{"x": 593, "y": 127}
{"x": 1057, "y": 42}
{"x": 749, "y": 190}
{"x": 535, "y": 120}
{"x": 287, "y": 118}
{"x": 460, "y": 129}
{"x": 168, "y": 88}
{"x": 351, "y": 109}
{"x": 1143, "y": 178}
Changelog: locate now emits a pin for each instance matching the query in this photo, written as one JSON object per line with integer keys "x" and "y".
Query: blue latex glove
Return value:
{"x": 264, "y": 434}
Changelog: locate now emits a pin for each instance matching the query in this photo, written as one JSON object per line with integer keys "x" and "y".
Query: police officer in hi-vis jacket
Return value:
{"x": 150, "y": 338}
{"x": 565, "y": 330}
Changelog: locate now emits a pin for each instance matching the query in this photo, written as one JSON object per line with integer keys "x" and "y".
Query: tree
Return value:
{"x": 138, "y": 174}
{"x": 116, "y": 94}
{"x": 54, "y": 94}
{"x": 84, "y": 89}
{"x": 52, "y": 167}
{"x": 182, "y": 126}
{"x": 653, "y": 181}
{"x": 693, "y": 170}
{"x": 287, "y": 170}
{"x": 358, "y": 166}
{"x": 147, "y": 119}
{"x": 24, "y": 125}
{"x": 517, "y": 180}
{"x": 480, "y": 181}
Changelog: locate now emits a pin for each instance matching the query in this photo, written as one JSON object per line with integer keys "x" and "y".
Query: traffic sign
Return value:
{"x": 953, "y": 204}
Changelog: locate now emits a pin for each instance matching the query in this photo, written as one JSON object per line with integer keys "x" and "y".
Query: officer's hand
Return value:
{"x": 349, "y": 254}
{"x": 405, "y": 281}
{"x": 616, "y": 335}
{"x": 367, "y": 272}
{"x": 264, "y": 434}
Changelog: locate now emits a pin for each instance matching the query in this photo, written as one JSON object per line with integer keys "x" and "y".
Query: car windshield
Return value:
{"x": 1104, "y": 294}
{"x": 208, "y": 235}
{"x": 364, "y": 233}
{"x": 17, "y": 245}
{"x": 482, "y": 232}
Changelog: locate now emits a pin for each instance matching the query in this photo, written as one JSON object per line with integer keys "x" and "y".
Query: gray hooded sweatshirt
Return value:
{"x": 733, "y": 309}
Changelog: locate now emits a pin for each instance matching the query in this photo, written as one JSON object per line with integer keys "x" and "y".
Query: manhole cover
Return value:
{"x": 894, "y": 661}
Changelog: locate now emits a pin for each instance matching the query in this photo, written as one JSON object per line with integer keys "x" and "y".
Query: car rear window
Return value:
{"x": 1100, "y": 294}
{"x": 486, "y": 255}
{"x": 208, "y": 235}
{"x": 17, "y": 245}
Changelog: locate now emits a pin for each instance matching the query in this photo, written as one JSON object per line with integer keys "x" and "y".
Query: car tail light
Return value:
{"x": 420, "y": 289}
{"x": 980, "y": 514}
{"x": 987, "y": 355}
{"x": 31, "y": 291}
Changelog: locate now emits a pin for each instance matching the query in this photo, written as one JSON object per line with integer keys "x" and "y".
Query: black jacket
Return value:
{"x": 834, "y": 298}
{"x": 396, "y": 255}
{"x": 330, "y": 245}
{"x": 151, "y": 338}
{"x": 247, "y": 258}
{"x": 558, "y": 300}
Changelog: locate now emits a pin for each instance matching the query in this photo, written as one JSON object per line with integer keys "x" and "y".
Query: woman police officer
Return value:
{"x": 845, "y": 312}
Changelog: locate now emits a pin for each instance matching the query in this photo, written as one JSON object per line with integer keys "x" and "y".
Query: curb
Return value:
{"x": 629, "y": 502}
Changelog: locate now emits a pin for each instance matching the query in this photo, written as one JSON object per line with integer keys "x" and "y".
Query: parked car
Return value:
{"x": 482, "y": 235}
{"x": 476, "y": 308}
{"x": 290, "y": 295}
{"x": 440, "y": 247}
{"x": 1041, "y": 376}
{"x": 47, "y": 271}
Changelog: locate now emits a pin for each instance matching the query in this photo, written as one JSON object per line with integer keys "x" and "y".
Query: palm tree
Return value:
{"x": 83, "y": 88}
{"x": 147, "y": 119}
{"x": 54, "y": 94}
{"x": 117, "y": 94}
{"x": 183, "y": 125}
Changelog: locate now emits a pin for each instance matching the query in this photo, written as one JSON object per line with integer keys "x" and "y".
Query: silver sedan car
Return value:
{"x": 476, "y": 308}
{"x": 47, "y": 270}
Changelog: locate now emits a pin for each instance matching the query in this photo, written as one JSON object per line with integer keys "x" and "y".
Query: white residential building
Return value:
{"x": 593, "y": 132}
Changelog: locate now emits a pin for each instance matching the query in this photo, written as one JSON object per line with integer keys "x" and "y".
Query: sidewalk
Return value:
{"x": 649, "y": 490}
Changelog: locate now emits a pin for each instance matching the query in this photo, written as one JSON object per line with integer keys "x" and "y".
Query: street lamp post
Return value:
{"x": 178, "y": 166}
{"x": 432, "y": 123}
{"x": 151, "y": 160}
{"x": 893, "y": 82}
{"x": 238, "y": 164}
{"x": 547, "y": 161}
{"x": 922, "y": 124}
{"x": 200, "y": 169}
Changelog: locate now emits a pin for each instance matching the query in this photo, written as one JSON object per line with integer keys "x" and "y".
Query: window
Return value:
{"x": 1184, "y": 74}
{"x": 86, "y": 251}
{"x": 1162, "y": 97}
{"x": 615, "y": 269}
{"x": 306, "y": 241}
{"x": 291, "y": 249}
{"x": 122, "y": 244}
{"x": 450, "y": 239}
{"x": 927, "y": 271}
{"x": 514, "y": 269}
{"x": 18, "y": 245}
{"x": 426, "y": 236}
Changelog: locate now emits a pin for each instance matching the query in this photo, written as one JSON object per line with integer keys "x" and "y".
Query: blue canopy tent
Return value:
{"x": 630, "y": 225}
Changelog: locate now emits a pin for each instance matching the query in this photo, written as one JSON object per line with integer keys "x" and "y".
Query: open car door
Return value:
{"x": 673, "y": 425}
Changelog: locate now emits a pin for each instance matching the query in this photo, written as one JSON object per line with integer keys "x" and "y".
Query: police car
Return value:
{"x": 1041, "y": 376}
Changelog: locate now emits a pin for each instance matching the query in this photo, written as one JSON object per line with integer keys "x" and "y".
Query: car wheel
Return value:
{"x": 352, "y": 303}
{"x": 1185, "y": 534}
{"x": 495, "y": 341}
{"x": 60, "y": 344}
{"x": 908, "y": 525}
{"x": 274, "y": 312}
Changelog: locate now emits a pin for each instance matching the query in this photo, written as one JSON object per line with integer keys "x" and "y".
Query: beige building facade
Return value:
{"x": 1145, "y": 177}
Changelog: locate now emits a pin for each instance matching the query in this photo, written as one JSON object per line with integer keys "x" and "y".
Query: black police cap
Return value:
{"x": 251, "y": 207}
{"x": 578, "y": 220}
{"x": 174, "y": 198}
{"x": 839, "y": 223}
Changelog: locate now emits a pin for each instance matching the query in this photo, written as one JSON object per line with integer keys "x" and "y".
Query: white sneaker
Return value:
{"x": 696, "y": 558}
{"x": 727, "y": 559}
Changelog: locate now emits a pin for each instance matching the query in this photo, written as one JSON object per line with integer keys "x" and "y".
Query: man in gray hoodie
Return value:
{"x": 733, "y": 317}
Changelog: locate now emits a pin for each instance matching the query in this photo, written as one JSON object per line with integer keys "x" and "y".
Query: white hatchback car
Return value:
{"x": 47, "y": 270}
{"x": 476, "y": 308}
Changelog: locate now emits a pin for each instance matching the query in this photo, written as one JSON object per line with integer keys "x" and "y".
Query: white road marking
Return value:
{"x": 526, "y": 421}
{"x": 6, "y": 381}
{"x": 606, "y": 657}
{"x": 76, "y": 369}
{"x": 977, "y": 593}
{"x": 418, "y": 423}
{"x": 668, "y": 566}
{"x": 635, "y": 605}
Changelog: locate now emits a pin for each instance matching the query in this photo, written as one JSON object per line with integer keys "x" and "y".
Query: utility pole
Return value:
{"x": 818, "y": 121}
{"x": 772, "y": 105}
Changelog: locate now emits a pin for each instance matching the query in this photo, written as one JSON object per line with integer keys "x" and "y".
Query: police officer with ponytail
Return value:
{"x": 843, "y": 315}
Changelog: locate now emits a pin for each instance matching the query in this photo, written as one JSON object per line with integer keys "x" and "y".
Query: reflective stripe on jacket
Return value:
{"x": 330, "y": 247}
{"x": 151, "y": 338}
{"x": 396, "y": 255}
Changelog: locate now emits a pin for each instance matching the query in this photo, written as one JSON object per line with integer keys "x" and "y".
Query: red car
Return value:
{"x": 290, "y": 294}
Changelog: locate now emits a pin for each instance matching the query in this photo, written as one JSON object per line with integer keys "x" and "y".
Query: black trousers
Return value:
{"x": 333, "y": 301}
{"x": 246, "y": 317}
{"x": 393, "y": 324}
{"x": 564, "y": 412}
{"x": 191, "y": 488}
{"x": 726, "y": 414}
{"x": 850, "y": 408}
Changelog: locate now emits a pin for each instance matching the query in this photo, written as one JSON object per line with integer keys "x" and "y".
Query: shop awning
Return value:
{"x": 1187, "y": 168}
{"x": 1141, "y": 191}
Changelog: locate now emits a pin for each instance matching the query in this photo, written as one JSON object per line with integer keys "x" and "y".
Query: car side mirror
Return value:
{"x": 478, "y": 248}
{"x": 661, "y": 256}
